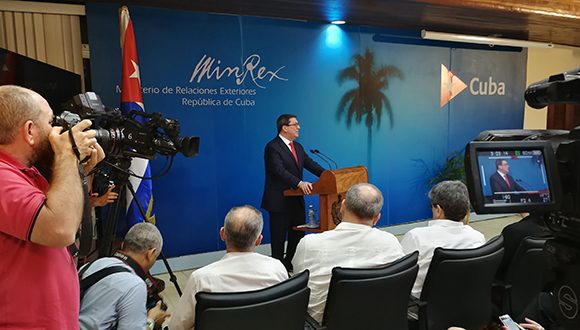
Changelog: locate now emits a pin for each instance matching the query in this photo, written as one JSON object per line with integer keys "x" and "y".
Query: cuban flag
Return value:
{"x": 131, "y": 99}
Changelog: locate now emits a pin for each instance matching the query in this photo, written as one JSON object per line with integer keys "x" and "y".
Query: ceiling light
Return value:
{"x": 491, "y": 41}
{"x": 339, "y": 22}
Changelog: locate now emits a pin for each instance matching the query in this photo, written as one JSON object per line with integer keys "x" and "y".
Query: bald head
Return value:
{"x": 242, "y": 227}
{"x": 364, "y": 201}
{"x": 17, "y": 105}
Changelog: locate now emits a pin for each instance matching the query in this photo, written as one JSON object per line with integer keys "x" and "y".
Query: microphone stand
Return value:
{"x": 314, "y": 151}
{"x": 328, "y": 158}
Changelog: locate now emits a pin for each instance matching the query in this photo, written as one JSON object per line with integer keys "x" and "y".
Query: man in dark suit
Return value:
{"x": 501, "y": 181}
{"x": 285, "y": 160}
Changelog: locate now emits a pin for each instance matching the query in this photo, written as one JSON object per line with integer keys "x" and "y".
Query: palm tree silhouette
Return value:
{"x": 367, "y": 100}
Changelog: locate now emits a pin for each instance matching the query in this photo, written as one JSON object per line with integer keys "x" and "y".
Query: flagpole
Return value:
{"x": 132, "y": 100}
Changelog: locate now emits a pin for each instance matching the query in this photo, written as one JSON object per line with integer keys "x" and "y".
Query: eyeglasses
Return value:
{"x": 295, "y": 124}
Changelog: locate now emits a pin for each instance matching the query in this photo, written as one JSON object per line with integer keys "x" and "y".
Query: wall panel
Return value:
{"x": 50, "y": 33}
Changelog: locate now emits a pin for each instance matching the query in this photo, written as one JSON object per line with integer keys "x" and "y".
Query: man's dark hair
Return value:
{"x": 452, "y": 197}
{"x": 242, "y": 226}
{"x": 283, "y": 120}
{"x": 364, "y": 200}
{"x": 499, "y": 162}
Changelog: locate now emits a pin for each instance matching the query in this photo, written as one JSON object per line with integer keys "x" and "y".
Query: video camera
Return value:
{"x": 139, "y": 134}
{"x": 535, "y": 171}
{"x": 544, "y": 164}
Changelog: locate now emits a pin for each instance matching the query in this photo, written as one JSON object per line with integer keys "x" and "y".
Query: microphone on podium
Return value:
{"x": 320, "y": 154}
{"x": 314, "y": 151}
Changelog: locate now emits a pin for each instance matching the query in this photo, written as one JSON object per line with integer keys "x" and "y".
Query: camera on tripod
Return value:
{"x": 139, "y": 134}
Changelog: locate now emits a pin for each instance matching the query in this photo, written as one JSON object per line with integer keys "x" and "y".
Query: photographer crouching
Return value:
{"x": 39, "y": 286}
{"x": 114, "y": 293}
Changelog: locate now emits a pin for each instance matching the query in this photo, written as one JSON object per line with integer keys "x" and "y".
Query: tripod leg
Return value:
{"x": 109, "y": 232}
{"x": 172, "y": 276}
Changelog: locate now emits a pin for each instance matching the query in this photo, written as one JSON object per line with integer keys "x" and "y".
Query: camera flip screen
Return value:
{"x": 511, "y": 176}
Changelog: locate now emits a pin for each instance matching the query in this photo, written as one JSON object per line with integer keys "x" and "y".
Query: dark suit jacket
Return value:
{"x": 283, "y": 173}
{"x": 498, "y": 184}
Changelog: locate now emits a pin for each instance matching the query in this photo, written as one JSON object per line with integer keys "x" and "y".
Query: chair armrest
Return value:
{"x": 311, "y": 324}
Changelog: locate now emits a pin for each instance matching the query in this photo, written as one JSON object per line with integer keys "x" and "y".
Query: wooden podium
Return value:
{"x": 331, "y": 188}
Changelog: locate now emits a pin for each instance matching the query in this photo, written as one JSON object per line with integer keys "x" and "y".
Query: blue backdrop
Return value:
{"x": 227, "y": 78}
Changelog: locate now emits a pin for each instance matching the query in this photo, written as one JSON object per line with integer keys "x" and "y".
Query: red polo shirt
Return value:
{"x": 38, "y": 285}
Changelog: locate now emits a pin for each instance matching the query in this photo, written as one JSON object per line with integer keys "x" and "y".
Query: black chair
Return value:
{"x": 525, "y": 275}
{"x": 282, "y": 307}
{"x": 457, "y": 287}
{"x": 369, "y": 298}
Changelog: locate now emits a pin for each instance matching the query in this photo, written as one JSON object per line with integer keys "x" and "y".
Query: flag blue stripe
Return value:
{"x": 143, "y": 195}
{"x": 144, "y": 191}
{"x": 128, "y": 106}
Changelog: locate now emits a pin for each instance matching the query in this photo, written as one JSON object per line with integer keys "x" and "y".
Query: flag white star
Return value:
{"x": 135, "y": 73}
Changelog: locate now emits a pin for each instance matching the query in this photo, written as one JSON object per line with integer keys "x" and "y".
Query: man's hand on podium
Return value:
{"x": 306, "y": 187}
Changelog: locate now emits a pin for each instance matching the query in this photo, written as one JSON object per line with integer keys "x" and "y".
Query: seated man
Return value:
{"x": 241, "y": 269}
{"x": 450, "y": 206}
{"x": 353, "y": 243}
{"x": 119, "y": 300}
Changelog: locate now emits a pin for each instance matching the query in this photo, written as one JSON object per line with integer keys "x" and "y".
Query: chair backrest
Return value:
{"x": 457, "y": 286}
{"x": 526, "y": 273}
{"x": 282, "y": 306}
{"x": 371, "y": 298}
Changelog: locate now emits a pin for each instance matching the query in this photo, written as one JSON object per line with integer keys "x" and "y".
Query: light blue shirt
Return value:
{"x": 117, "y": 300}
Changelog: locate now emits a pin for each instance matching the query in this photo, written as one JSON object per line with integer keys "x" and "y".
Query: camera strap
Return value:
{"x": 86, "y": 231}
{"x": 153, "y": 285}
{"x": 87, "y": 282}
{"x": 75, "y": 148}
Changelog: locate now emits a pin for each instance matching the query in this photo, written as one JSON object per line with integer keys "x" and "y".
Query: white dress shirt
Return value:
{"x": 348, "y": 245}
{"x": 439, "y": 233}
{"x": 235, "y": 272}
{"x": 286, "y": 141}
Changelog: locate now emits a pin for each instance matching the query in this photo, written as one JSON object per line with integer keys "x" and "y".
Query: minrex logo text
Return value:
{"x": 209, "y": 68}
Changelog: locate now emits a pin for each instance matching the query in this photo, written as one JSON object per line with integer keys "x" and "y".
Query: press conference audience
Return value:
{"x": 450, "y": 206}
{"x": 39, "y": 287}
{"x": 119, "y": 300}
{"x": 353, "y": 243}
{"x": 241, "y": 269}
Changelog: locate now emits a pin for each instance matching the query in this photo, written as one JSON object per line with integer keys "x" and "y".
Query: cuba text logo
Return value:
{"x": 209, "y": 68}
{"x": 452, "y": 85}
{"x": 489, "y": 87}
